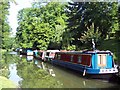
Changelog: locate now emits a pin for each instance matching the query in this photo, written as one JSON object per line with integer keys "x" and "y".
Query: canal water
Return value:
{"x": 19, "y": 68}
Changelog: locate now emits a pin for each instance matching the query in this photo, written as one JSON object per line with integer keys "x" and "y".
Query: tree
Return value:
{"x": 90, "y": 34}
{"x": 32, "y": 31}
{"x": 119, "y": 15}
{"x": 4, "y": 26}
{"x": 83, "y": 14}
{"x": 72, "y": 32}
{"x": 118, "y": 31}
{"x": 40, "y": 26}
{"x": 56, "y": 17}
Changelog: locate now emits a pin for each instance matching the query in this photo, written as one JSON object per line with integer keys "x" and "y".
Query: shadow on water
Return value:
{"x": 29, "y": 72}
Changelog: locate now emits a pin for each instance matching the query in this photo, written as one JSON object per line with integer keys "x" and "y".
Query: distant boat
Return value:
{"x": 50, "y": 54}
{"x": 45, "y": 55}
{"x": 29, "y": 52}
{"x": 40, "y": 54}
{"x": 26, "y": 51}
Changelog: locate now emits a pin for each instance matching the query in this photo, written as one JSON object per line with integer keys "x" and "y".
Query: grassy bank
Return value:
{"x": 112, "y": 45}
{"x": 6, "y": 83}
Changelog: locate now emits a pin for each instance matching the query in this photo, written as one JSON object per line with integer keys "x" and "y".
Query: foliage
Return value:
{"x": 118, "y": 31}
{"x": 9, "y": 42}
{"x": 83, "y": 14}
{"x": 113, "y": 46}
{"x": 115, "y": 17}
{"x": 5, "y": 28}
{"x": 56, "y": 25}
{"x": 90, "y": 34}
{"x": 6, "y": 83}
{"x": 5, "y": 61}
{"x": 40, "y": 26}
{"x": 117, "y": 35}
{"x": 73, "y": 47}
{"x": 34, "y": 77}
{"x": 31, "y": 30}
{"x": 119, "y": 14}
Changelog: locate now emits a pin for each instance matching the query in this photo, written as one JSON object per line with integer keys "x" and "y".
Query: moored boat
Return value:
{"x": 29, "y": 52}
{"x": 40, "y": 54}
{"x": 45, "y": 55}
{"x": 26, "y": 51}
{"x": 50, "y": 54}
{"x": 22, "y": 51}
{"x": 87, "y": 62}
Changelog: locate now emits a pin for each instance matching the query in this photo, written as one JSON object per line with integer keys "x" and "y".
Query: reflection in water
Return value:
{"x": 28, "y": 75}
{"x": 5, "y": 57}
{"x": 84, "y": 83}
{"x": 13, "y": 74}
{"x": 14, "y": 53}
{"x": 51, "y": 72}
{"x": 42, "y": 65}
{"x": 21, "y": 56}
{"x": 34, "y": 77}
{"x": 37, "y": 63}
{"x": 29, "y": 58}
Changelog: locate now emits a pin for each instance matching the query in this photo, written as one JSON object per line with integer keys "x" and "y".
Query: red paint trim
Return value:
{"x": 73, "y": 58}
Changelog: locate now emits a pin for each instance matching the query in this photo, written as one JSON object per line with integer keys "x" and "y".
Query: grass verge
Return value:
{"x": 6, "y": 83}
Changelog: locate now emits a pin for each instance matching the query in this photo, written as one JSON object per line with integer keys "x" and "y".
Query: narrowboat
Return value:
{"x": 50, "y": 54}
{"x": 90, "y": 63}
{"x": 29, "y": 52}
{"x": 40, "y": 54}
{"x": 26, "y": 51}
{"x": 22, "y": 51}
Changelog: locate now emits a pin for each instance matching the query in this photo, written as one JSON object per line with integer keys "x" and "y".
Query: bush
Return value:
{"x": 72, "y": 47}
{"x": 90, "y": 34}
{"x": 117, "y": 34}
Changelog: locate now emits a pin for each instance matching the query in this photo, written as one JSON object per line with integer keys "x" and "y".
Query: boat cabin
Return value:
{"x": 50, "y": 54}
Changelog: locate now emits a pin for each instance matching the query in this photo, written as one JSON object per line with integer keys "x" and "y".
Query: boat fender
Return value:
{"x": 84, "y": 72}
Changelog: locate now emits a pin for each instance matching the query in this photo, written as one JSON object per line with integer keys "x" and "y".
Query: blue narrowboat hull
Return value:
{"x": 89, "y": 72}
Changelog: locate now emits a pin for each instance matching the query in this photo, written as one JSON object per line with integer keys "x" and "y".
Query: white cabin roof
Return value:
{"x": 53, "y": 51}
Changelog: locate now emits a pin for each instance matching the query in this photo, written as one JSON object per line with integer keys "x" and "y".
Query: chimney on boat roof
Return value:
{"x": 93, "y": 44}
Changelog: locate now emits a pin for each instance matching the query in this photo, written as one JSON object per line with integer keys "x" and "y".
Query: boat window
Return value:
{"x": 101, "y": 59}
{"x": 47, "y": 54}
{"x": 79, "y": 59}
{"x": 71, "y": 58}
{"x": 56, "y": 55}
{"x": 59, "y": 56}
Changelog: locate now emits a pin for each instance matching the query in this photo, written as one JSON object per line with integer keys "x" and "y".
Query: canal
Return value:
{"x": 24, "y": 71}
